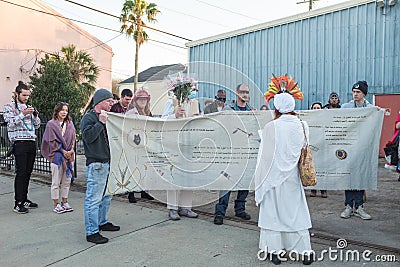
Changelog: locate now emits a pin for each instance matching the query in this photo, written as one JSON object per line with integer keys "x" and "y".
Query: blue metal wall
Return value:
{"x": 324, "y": 53}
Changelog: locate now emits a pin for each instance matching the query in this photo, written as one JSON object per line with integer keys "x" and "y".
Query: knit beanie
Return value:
{"x": 333, "y": 94}
{"x": 100, "y": 95}
{"x": 362, "y": 86}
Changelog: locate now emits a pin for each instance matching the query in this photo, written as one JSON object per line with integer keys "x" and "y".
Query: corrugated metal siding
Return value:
{"x": 325, "y": 53}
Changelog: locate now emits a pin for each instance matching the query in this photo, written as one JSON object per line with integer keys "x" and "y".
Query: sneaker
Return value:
{"x": 219, "y": 219}
{"x": 324, "y": 194}
{"x": 20, "y": 208}
{"x": 109, "y": 227}
{"x": 173, "y": 215}
{"x": 348, "y": 211}
{"x": 96, "y": 238}
{"x": 243, "y": 215}
{"x": 390, "y": 167}
{"x": 131, "y": 197}
{"x": 59, "y": 209}
{"x": 313, "y": 193}
{"x": 146, "y": 195}
{"x": 67, "y": 207}
{"x": 30, "y": 205}
{"x": 360, "y": 212}
{"x": 188, "y": 213}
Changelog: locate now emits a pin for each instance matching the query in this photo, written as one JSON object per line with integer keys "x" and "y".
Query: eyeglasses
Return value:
{"x": 222, "y": 99}
{"x": 243, "y": 92}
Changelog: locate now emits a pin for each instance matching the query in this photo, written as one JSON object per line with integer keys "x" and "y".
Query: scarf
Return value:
{"x": 54, "y": 143}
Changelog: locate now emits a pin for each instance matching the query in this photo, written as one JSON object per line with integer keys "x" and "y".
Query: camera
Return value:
{"x": 35, "y": 113}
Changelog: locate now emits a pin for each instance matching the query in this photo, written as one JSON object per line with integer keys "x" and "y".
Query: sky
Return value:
{"x": 191, "y": 19}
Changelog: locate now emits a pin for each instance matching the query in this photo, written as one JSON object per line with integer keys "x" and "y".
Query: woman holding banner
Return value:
{"x": 141, "y": 106}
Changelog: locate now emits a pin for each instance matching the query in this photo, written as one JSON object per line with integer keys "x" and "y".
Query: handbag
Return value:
{"x": 308, "y": 175}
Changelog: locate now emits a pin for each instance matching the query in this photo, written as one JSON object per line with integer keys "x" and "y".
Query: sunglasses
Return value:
{"x": 243, "y": 92}
{"x": 222, "y": 99}
{"x": 63, "y": 103}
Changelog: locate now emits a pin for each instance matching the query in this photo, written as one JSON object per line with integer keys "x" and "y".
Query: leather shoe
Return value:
{"x": 131, "y": 197}
{"x": 97, "y": 238}
{"x": 219, "y": 219}
{"x": 146, "y": 195}
{"x": 307, "y": 259}
{"x": 275, "y": 260}
{"x": 244, "y": 215}
{"x": 109, "y": 227}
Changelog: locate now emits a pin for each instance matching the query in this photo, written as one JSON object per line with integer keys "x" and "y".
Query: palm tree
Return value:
{"x": 83, "y": 70}
{"x": 132, "y": 24}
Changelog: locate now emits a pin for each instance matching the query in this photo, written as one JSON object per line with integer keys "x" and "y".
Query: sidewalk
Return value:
{"x": 148, "y": 238}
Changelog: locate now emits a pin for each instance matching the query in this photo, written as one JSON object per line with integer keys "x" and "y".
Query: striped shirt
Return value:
{"x": 20, "y": 127}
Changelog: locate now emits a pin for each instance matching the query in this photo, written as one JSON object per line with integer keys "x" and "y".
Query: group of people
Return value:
{"x": 284, "y": 219}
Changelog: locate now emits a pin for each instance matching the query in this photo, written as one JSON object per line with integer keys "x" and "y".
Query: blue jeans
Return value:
{"x": 354, "y": 195}
{"x": 240, "y": 202}
{"x": 96, "y": 203}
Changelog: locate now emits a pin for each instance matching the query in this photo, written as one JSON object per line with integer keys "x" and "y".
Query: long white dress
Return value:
{"x": 284, "y": 218}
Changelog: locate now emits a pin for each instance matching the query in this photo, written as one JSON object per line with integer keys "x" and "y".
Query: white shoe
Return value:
{"x": 67, "y": 207}
{"x": 348, "y": 211}
{"x": 59, "y": 209}
{"x": 360, "y": 212}
{"x": 390, "y": 167}
{"x": 173, "y": 215}
{"x": 188, "y": 213}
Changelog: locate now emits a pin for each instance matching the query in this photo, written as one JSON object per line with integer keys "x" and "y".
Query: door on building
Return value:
{"x": 391, "y": 102}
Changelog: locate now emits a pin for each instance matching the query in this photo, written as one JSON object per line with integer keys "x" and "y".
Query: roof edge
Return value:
{"x": 286, "y": 20}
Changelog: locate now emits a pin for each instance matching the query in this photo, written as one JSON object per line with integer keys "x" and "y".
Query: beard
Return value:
{"x": 21, "y": 101}
{"x": 335, "y": 105}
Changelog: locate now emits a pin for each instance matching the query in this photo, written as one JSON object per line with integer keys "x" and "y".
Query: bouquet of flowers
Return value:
{"x": 181, "y": 86}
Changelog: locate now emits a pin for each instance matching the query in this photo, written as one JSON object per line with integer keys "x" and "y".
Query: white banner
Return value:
{"x": 219, "y": 151}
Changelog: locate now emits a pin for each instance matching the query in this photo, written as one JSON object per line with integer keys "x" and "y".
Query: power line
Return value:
{"x": 108, "y": 14}
{"x": 227, "y": 10}
{"x": 192, "y": 16}
{"x": 79, "y": 21}
{"x": 103, "y": 42}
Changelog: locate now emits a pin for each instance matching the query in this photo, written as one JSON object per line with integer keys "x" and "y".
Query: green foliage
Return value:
{"x": 67, "y": 77}
{"x": 132, "y": 24}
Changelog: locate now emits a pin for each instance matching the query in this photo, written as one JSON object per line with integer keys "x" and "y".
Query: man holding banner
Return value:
{"x": 97, "y": 153}
{"x": 242, "y": 92}
{"x": 360, "y": 90}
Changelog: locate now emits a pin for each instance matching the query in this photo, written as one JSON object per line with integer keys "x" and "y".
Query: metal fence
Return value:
{"x": 41, "y": 164}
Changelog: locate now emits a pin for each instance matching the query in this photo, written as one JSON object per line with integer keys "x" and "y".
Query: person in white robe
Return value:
{"x": 284, "y": 218}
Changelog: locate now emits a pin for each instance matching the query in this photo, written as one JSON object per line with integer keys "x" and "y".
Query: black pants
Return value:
{"x": 24, "y": 153}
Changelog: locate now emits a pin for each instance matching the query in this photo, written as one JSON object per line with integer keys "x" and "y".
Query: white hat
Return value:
{"x": 284, "y": 102}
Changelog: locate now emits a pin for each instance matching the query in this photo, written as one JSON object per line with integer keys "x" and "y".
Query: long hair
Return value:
{"x": 144, "y": 112}
{"x": 58, "y": 107}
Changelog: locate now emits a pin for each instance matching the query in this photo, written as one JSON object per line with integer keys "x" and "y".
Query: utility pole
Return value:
{"x": 310, "y": 3}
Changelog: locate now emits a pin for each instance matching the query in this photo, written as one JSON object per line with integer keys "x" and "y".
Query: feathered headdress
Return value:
{"x": 283, "y": 84}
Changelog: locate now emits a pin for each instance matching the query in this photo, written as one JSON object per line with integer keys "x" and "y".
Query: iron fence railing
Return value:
{"x": 41, "y": 164}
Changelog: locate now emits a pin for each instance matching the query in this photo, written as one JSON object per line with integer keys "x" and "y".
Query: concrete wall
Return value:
{"x": 25, "y": 36}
